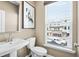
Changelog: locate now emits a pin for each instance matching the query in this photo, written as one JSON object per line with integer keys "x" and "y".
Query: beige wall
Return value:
{"x": 40, "y": 29}
{"x": 40, "y": 23}
{"x": 12, "y": 15}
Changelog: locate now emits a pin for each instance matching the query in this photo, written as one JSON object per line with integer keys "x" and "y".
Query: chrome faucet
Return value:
{"x": 10, "y": 37}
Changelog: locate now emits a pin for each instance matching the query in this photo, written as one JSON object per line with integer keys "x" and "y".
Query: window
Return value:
{"x": 58, "y": 24}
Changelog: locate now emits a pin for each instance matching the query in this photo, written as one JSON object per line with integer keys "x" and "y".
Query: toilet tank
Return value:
{"x": 31, "y": 42}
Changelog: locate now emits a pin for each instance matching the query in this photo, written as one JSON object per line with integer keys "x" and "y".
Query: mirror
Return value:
{"x": 8, "y": 16}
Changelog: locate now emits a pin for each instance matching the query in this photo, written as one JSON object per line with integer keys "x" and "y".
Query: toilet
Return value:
{"x": 36, "y": 51}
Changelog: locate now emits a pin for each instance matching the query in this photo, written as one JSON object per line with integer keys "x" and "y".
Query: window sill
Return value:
{"x": 60, "y": 48}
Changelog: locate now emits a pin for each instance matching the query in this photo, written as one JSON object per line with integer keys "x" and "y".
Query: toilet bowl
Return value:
{"x": 36, "y": 51}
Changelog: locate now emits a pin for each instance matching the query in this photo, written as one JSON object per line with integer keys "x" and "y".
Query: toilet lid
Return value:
{"x": 39, "y": 50}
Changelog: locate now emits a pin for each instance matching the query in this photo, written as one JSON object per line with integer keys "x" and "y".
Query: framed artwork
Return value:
{"x": 28, "y": 20}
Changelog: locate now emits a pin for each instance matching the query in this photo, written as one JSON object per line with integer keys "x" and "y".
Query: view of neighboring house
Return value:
{"x": 59, "y": 24}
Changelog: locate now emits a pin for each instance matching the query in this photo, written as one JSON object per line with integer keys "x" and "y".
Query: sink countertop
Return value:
{"x": 7, "y": 47}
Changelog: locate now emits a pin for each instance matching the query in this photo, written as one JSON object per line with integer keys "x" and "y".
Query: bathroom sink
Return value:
{"x": 11, "y": 46}
{"x": 13, "y": 42}
{"x": 3, "y": 43}
{"x": 16, "y": 41}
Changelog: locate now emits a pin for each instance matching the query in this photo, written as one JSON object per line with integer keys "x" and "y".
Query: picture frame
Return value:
{"x": 28, "y": 18}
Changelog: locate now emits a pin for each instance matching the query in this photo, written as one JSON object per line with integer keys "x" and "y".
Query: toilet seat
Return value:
{"x": 39, "y": 50}
{"x": 36, "y": 50}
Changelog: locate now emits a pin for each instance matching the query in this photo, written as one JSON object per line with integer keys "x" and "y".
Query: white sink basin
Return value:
{"x": 16, "y": 41}
{"x": 3, "y": 44}
{"x": 13, "y": 42}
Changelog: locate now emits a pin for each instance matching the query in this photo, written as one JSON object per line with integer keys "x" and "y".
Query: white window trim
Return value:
{"x": 60, "y": 48}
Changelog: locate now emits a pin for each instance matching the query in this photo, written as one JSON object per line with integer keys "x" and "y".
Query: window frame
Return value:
{"x": 59, "y": 47}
